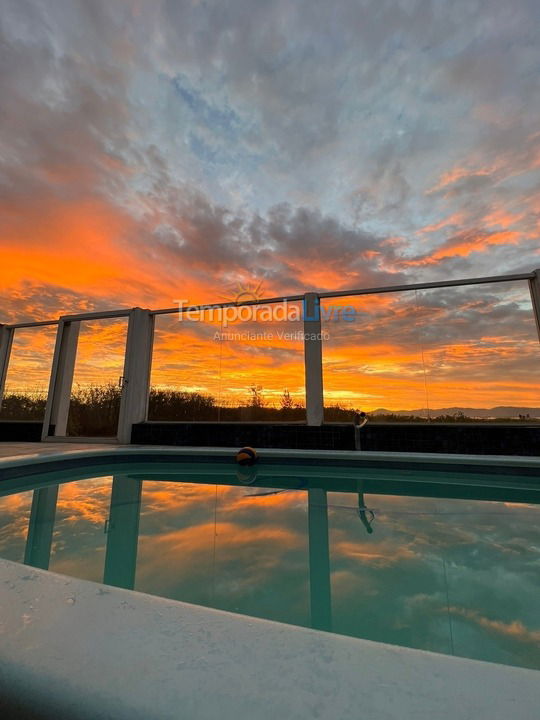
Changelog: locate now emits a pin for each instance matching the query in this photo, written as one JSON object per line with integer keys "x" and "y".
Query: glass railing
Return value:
{"x": 466, "y": 352}
{"x": 481, "y": 353}
{"x": 240, "y": 363}
{"x": 372, "y": 354}
{"x": 97, "y": 378}
{"x": 185, "y": 378}
{"x": 447, "y": 354}
{"x": 28, "y": 373}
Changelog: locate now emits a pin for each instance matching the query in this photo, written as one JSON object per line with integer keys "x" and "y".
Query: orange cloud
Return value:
{"x": 453, "y": 176}
{"x": 466, "y": 243}
{"x": 451, "y": 220}
{"x": 514, "y": 630}
{"x": 386, "y": 553}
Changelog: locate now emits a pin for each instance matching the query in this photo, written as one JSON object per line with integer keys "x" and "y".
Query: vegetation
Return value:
{"x": 94, "y": 410}
{"x": 21, "y": 406}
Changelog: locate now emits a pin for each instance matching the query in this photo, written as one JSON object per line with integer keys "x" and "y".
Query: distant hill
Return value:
{"x": 501, "y": 411}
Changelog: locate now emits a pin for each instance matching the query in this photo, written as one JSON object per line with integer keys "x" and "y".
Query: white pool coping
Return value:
{"x": 86, "y": 651}
{"x": 44, "y": 454}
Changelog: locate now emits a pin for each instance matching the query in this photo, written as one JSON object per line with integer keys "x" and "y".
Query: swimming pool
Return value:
{"x": 437, "y": 559}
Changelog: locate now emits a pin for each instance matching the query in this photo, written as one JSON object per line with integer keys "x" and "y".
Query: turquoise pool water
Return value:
{"x": 412, "y": 559}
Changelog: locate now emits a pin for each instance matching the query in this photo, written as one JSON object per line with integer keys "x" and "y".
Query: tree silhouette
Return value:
{"x": 286, "y": 400}
{"x": 256, "y": 399}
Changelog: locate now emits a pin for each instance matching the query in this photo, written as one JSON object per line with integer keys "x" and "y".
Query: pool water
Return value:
{"x": 388, "y": 559}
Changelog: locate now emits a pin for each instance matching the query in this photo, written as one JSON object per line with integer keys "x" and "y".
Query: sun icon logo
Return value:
{"x": 244, "y": 292}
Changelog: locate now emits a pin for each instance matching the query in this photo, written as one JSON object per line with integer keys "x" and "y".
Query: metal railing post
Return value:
{"x": 6, "y": 340}
{"x": 63, "y": 366}
{"x": 534, "y": 287}
{"x": 313, "y": 359}
{"x": 41, "y": 527}
{"x": 320, "y": 589}
{"x": 136, "y": 378}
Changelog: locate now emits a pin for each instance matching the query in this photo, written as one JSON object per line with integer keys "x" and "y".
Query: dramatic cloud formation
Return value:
{"x": 150, "y": 151}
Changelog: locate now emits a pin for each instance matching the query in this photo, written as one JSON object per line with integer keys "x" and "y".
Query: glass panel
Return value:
{"x": 372, "y": 355}
{"x": 448, "y": 354}
{"x": 262, "y": 364}
{"x": 481, "y": 353}
{"x": 238, "y": 363}
{"x": 28, "y": 375}
{"x": 96, "y": 391}
{"x": 185, "y": 369}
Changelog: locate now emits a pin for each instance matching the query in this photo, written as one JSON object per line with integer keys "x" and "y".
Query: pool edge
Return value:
{"x": 94, "y": 649}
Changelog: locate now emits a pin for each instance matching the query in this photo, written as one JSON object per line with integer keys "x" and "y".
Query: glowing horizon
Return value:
{"x": 403, "y": 351}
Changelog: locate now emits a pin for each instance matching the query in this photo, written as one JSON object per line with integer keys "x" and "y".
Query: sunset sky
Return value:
{"x": 158, "y": 150}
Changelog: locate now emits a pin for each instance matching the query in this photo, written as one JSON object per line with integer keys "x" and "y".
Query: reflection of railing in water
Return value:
{"x": 248, "y": 476}
{"x": 366, "y": 515}
{"x": 320, "y": 588}
{"x": 123, "y": 532}
{"x": 319, "y": 552}
{"x": 41, "y": 526}
{"x": 122, "y": 527}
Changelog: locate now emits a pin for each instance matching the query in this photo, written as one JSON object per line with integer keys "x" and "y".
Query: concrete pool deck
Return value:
{"x": 78, "y": 649}
{"x": 19, "y": 450}
{"x": 10, "y": 450}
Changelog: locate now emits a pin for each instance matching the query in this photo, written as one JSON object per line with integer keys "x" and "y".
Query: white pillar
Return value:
{"x": 319, "y": 560}
{"x": 41, "y": 526}
{"x": 534, "y": 287}
{"x": 313, "y": 360}
{"x": 137, "y": 364}
{"x": 63, "y": 365}
{"x": 123, "y": 532}
{"x": 6, "y": 340}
